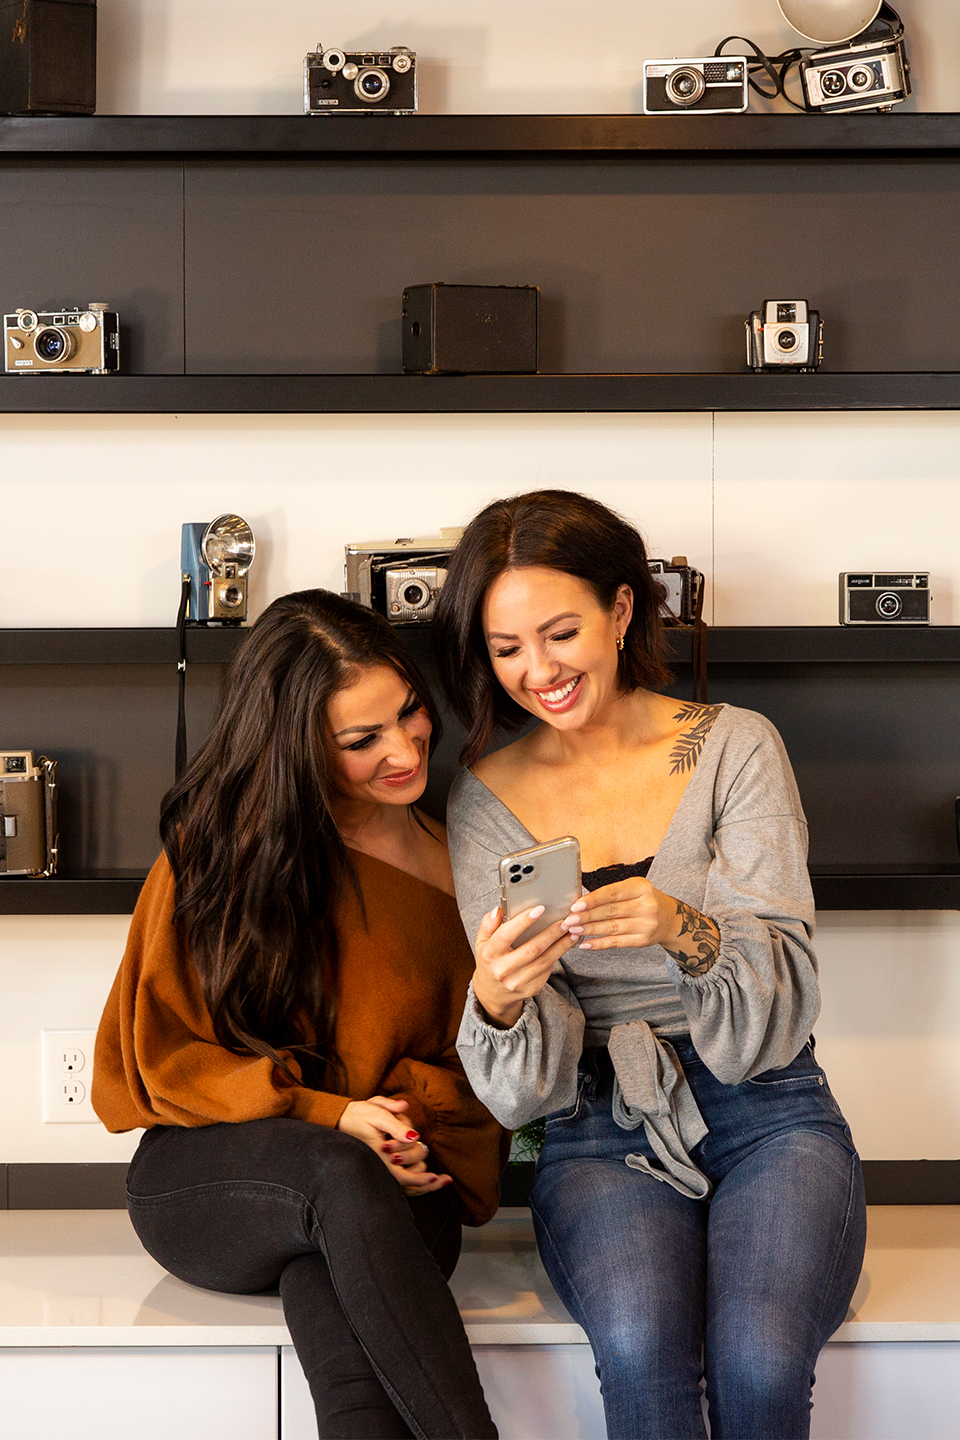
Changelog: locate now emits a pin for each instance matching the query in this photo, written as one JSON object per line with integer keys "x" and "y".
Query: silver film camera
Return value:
{"x": 214, "y": 560}
{"x": 72, "y": 340}
{"x": 888, "y": 597}
{"x": 28, "y": 814}
{"x": 711, "y": 85}
{"x": 383, "y": 81}
{"x": 400, "y": 578}
{"x": 784, "y": 335}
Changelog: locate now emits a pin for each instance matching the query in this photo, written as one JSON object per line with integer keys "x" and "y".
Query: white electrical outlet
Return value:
{"x": 67, "y": 1067}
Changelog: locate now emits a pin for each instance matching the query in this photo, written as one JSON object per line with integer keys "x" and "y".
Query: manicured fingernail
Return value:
{"x": 585, "y": 945}
{"x": 386, "y": 1149}
{"x": 494, "y": 913}
{"x": 578, "y": 905}
{"x": 412, "y": 1135}
{"x": 575, "y": 930}
{"x": 397, "y": 1160}
{"x": 536, "y": 912}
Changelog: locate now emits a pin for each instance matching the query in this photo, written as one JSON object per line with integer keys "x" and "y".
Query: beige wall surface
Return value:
{"x": 771, "y": 507}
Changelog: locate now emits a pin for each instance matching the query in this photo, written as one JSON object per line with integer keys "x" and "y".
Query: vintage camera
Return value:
{"x": 400, "y": 578}
{"x": 214, "y": 560}
{"x": 683, "y": 590}
{"x": 360, "y": 80}
{"x": 888, "y": 597}
{"x": 69, "y": 341}
{"x": 868, "y": 71}
{"x": 716, "y": 85}
{"x": 785, "y": 334}
{"x": 28, "y": 814}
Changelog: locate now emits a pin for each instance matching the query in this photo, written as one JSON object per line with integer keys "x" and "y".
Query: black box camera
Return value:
{"x": 471, "y": 329}
{"x": 48, "y": 57}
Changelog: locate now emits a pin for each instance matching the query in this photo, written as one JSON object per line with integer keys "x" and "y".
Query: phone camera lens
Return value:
{"x": 528, "y": 869}
{"x": 514, "y": 879}
{"x": 514, "y": 869}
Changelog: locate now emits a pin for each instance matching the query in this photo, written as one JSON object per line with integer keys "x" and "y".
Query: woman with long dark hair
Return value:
{"x": 283, "y": 1026}
{"x": 698, "y": 1201}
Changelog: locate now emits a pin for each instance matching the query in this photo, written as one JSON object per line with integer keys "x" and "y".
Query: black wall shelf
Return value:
{"x": 458, "y": 394}
{"x": 726, "y": 645}
{"x": 300, "y": 136}
{"x": 115, "y": 893}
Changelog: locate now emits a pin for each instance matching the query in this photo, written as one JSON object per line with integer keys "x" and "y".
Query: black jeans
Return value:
{"x": 362, "y": 1271}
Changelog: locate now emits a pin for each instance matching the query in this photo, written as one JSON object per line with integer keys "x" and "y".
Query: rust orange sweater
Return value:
{"x": 403, "y": 983}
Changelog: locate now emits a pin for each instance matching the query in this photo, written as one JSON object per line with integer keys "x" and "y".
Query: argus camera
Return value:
{"x": 214, "y": 560}
{"x": 400, "y": 578}
{"x": 885, "y": 598}
{"x": 784, "y": 334}
{"x": 28, "y": 814}
{"x": 360, "y": 80}
{"x": 69, "y": 341}
{"x": 711, "y": 86}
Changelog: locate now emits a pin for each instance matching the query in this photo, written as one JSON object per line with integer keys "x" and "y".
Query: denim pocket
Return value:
{"x": 803, "y": 1072}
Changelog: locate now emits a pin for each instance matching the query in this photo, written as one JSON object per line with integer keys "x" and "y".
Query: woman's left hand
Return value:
{"x": 632, "y": 913}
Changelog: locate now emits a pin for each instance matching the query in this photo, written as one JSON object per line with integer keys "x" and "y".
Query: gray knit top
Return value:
{"x": 735, "y": 850}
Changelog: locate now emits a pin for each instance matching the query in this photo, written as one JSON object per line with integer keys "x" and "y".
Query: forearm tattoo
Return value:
{"x": 704, "y": 940}
{"x": 686, "y": 752}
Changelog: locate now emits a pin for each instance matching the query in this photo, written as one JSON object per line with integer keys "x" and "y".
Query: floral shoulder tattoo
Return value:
{"x": 686, "y": 752}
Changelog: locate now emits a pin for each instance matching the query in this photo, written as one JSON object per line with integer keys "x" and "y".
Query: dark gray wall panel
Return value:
{"x": 297, "y": 267}
{"x": 111, "y": 728}
{"x": 874, "y": 751}
{"x": 109, "y": 232}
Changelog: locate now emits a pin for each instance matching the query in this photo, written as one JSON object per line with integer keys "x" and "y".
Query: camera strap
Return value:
{"x": 699, "y": 648}
{"x": 181, "y": 750}
{"x": 885, "y": 25}
{"x": 49, "y": 768}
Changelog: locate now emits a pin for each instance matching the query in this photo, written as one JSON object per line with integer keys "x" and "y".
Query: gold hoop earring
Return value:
{"x": 619, "y": 642}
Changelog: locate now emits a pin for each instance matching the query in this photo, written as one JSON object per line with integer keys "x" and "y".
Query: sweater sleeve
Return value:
{"x": 530, "y": 1069}
{"x": 157, "y": 1060}
{"x": 755, "y": 1008}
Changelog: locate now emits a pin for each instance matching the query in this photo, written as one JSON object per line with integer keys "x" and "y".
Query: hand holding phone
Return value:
{"x": 515, "y": 954}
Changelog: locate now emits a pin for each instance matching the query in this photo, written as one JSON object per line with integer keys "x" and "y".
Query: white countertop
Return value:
{"x": 81, "y": 1278}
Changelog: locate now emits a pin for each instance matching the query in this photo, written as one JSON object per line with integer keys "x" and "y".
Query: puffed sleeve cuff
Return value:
{"x": 527, "y": 1070}
{"x": 755, "y": 1008}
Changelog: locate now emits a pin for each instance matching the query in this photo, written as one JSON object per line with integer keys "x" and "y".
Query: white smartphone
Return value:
{"x": 547, "y": 875}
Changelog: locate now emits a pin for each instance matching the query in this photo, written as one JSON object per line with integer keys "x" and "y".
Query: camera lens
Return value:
{"x": 832, "y": 82}
{"x": 230, "y": 596}
{"x": 371, "y": 85}
{"x": 514, "y": 869}
{"x": 685, "y": 85}
{"x": 514, "y": 879}
{"x": 862, "y": 78}
{"x": 889, "y": 605}
{"x": 53, "y": 345}
{"x": 786, "y": 339}
{"x": 415, "y": 594}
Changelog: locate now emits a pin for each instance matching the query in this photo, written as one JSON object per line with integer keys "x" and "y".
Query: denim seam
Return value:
{"x": 841, "y": 1239}
{"x": 256, "y": 1187}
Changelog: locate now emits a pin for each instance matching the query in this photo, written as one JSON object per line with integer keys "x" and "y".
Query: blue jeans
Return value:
{"x": 743, "y": 1289}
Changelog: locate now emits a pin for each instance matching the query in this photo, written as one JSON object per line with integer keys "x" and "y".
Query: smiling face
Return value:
{"x": 379, "y": 739}
{"x": 552, "y": 644}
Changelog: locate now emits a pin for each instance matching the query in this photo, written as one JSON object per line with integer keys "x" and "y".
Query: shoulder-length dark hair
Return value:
{"x": 259, "y": 863}
{"x": 561, "y": 530}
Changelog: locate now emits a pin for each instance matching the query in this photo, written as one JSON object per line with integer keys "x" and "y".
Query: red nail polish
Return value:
{"x": 397, "y": 1160}
{"x": 412, "y": 1135}
{"x": 386, "y": 1149}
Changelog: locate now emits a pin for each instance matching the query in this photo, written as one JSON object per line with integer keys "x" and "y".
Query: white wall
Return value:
{"x": 771, "y": 507}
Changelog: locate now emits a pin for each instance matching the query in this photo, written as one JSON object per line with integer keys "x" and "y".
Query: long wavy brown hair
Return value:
{"x": 561, "y": 530}
{"x": 259, "y": 864}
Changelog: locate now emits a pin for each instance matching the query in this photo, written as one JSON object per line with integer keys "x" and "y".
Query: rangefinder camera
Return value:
{"x": 28, "y": 814}
{"x": 400, "y": 578}
{"x": 214, "y": 560}
{"x": 69, "y": 341}
{"x": 887, "y": 597}
{"x": 872, "y": 76}
{"x": 785, "y": 334}
{"x": 360, "y": 80}
{"x": 682, "y": 587}
{"x": 709, "y": 86}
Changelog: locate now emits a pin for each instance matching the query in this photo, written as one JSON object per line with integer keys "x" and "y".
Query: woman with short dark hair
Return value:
{"x": 698, "y": 1201}
{"x": 283, "y": 1026}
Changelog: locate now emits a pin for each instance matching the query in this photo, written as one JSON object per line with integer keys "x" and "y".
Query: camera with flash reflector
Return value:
{"x": 214, "y": 560}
